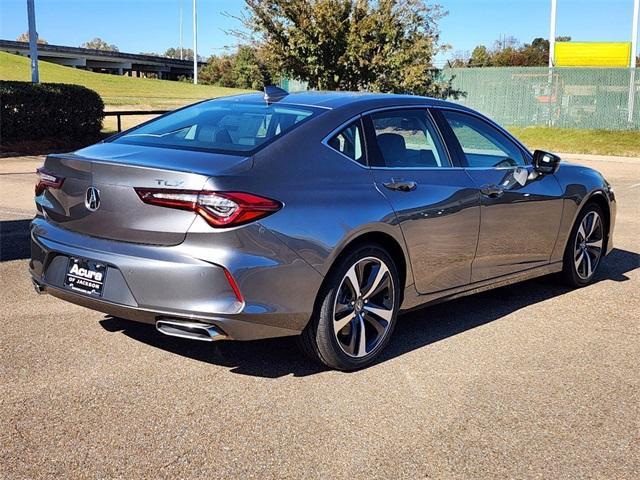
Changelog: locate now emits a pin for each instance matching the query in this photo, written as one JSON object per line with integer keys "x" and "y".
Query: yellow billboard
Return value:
{"x": 593, "y": 54}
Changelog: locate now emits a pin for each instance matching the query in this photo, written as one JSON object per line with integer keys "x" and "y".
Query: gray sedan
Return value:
{"x": 316, "y": 215}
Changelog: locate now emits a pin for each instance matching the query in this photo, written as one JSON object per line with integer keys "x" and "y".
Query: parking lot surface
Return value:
{"x": 531, "y": 380}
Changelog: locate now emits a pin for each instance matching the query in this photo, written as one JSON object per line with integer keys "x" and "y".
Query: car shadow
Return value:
{"x": 278, "y": 357}
{"x": 14, "y": 240}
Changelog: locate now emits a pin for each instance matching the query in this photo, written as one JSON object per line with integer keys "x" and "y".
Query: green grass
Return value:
{"x": 564, "y": 140}
{"x": 115, "y": 90}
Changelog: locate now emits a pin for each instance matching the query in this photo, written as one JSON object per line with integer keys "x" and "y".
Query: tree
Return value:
{"x": 187, "y": 53}
{"x": 506, "y": 52}
{"x": 218, "y": 71}
{"x": 509, "y": 52}
{"x": 480, "y": 57}
{"x": 504, "y": 43}
{"x": 99, "y": 44}
{"x": 384, "y": 45}
{"x": 243, "y": 69}
{"x": 536, "y": 54}
{"x": 460, "y": 59}
{"x": 249, "y": 69}
{"x": 24, "y": 37}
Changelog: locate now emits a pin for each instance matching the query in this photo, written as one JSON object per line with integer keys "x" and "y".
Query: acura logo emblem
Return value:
{"x": 92, "y": 199}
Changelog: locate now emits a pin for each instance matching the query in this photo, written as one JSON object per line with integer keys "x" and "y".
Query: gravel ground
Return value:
{"x": 531, "y": 380}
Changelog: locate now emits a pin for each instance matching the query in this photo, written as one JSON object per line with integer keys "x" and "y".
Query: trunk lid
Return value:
{"x": 115, "y": 170}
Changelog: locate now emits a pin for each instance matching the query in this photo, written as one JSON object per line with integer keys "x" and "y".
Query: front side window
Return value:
{"x": 220, "y": 125}
{"x": 349, "y": 142}
{"x": 483, "y": 145}
{"x": 408, "y": 139}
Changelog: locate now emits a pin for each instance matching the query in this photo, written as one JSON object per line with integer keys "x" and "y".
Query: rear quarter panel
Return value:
{"x": 328, "y": 199}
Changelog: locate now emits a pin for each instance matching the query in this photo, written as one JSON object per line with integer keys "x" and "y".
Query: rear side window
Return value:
{"x": 218, "y": 125}
{"x": 408, "y": 139}
{"x": 349, "y": 142}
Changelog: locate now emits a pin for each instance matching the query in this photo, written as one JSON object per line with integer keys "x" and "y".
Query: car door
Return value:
{"x": 521, "y": 210}
{"x": 436, "y": 203}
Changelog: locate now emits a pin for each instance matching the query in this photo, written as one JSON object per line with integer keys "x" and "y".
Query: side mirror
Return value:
{"x": 545, "y": 163}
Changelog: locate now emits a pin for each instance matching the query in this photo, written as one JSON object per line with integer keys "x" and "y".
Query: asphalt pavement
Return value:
{"x": 527, "y": 381}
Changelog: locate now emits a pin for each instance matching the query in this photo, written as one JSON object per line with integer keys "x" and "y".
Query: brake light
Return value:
{"x": 47, "y": 179}
{"x": 219, "y": 209}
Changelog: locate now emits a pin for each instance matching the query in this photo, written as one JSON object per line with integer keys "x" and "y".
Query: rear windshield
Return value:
{"x": 219, "y": 125}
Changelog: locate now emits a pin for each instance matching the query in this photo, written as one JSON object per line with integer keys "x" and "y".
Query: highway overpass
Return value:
{"x": 118, "y": 63}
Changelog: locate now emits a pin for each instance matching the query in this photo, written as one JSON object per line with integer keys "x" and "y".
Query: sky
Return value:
{"x": 153, "y": 25}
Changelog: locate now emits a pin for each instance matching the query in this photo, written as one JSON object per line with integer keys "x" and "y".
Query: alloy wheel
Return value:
{"x": 364, "y": 307}
{"x": 588, "y": 245}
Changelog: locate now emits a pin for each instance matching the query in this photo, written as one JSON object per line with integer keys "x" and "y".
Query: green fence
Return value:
{"x": 585, "y": 98}
{"x": 581, "y": 98}
{"x": 291, "y": 85}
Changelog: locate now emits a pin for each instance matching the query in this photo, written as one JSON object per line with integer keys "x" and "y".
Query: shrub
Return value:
{"x": 31, "y": 111}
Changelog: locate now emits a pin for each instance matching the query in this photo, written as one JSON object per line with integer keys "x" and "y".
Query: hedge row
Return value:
{"x": 31, "y": 111}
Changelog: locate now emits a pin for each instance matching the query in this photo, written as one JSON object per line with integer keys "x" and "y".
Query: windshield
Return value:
{"x": 219, "y": 125}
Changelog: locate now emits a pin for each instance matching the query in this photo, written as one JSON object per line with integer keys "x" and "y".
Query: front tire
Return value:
{"x": 356, "y": 310}
{"x": 585, "y": 247}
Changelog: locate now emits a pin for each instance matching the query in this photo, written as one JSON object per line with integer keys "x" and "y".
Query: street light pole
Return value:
{"x": 552, "y": 33}
{"x": 180, "y": 29}
{"x": 195, "y": 44}
{"x": 33, "y": 42}
{"x": 552, "y": 58}
{"x": 634, "y": 33}
{"x": 634, "y": 52}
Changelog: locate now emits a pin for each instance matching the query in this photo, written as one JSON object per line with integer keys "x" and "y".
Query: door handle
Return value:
{"x": 491, "y": 191}
{"x": 401, "y": 185}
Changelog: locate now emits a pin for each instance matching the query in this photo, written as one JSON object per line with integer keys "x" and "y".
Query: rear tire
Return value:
{"x": 353, "y": 323}
{"x": 585, "y": 247}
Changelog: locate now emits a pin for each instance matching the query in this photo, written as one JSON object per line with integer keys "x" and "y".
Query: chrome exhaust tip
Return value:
{"x": 204, "y": 332}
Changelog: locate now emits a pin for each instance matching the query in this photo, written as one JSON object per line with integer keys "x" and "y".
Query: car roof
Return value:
{"x": 333, "y": 100}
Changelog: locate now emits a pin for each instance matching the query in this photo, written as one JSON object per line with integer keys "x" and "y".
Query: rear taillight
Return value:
{"x": 47, "y": 179}
{"x": 219, "y": 209}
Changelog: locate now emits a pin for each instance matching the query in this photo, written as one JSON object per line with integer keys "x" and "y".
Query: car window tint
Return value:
{"x": 220, "y": 125}
{"x": 349, "y": 142}
{"x": 483, "y": 145}
{"x": 408, "y": 139}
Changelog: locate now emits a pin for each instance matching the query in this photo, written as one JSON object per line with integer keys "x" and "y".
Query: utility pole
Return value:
{"x": 634, "y": 52}
{"x": 33, "y": 42}
{"x": 181, "y": 3}
{"x": 195, "y": 44}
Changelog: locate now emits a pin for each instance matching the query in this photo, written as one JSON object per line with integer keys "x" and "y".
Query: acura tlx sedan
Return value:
{"x": 317, "y": 215}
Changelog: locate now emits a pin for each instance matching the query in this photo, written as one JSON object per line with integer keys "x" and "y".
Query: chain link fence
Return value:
{"x": 581, "y": 98}
{"x": 291, "y": 85}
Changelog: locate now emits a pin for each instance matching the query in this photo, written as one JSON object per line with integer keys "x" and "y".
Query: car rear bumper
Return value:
{"x": 148, "y": 283}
